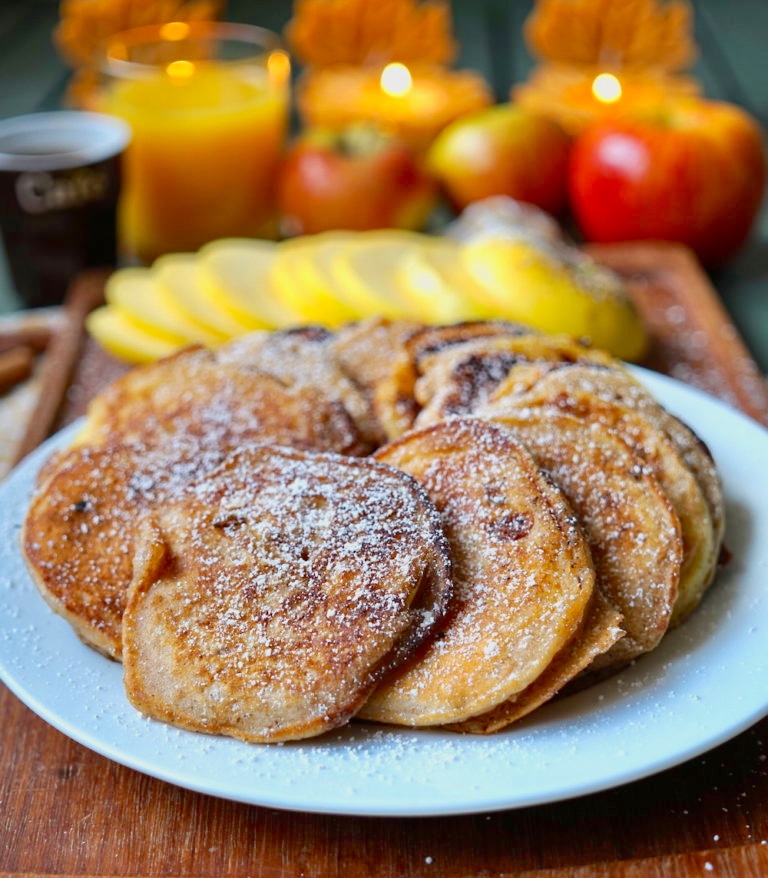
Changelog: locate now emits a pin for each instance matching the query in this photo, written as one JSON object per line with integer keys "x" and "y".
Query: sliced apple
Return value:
{"x": 525, "y": 283}
{"x": 304, "y": 282}
{"x": 439, "y": 286}
{"x": 178, "y": 275}
{"x": 237, "y": 273}
{"x": 126, "y": 339}
{"x": 366, "y": 272}
{"x": 135, "y": 293}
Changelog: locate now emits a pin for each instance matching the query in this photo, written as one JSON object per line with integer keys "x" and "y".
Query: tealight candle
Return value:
{"x": 607, "y": 88}
{"x": 413, "y": 103}
{"x": 577, "y": 95}
{"x": 207, "y": 104}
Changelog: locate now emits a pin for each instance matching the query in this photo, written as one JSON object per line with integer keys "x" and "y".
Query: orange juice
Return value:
{"x": 207, "y": 139}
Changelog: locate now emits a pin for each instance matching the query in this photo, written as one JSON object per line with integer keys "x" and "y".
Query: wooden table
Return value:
{"x": 67, "y": 811}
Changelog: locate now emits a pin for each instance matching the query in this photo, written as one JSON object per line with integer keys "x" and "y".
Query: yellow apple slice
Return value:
{"x": 178, "y": 275}
{"x": 303, "y": 282}
{"x": 237, "y": 273}
{"x": 366, "y": 272}
{"x": 527, "y": 284}
{"x": 439, "y": 286}
{"x": 124, "y": 338}
{"x": 136, "y": 293}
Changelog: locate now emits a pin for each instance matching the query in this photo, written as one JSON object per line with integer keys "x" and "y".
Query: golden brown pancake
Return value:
{"x": 622, "y": 387}
{"x": 306, "y": 358}
{"x": 396, "y": 392}
{"x": 456, "y": 379}
{"x": 599, "y": 631}
{"x": 630, "y": 524}
{"x": 522, "y": 573}
{"x": 619, "y": 385}
{"x": 79, "y": 531}
{"x": 268, "y": 601}
{"x": 430, "y": 340}
{"x": 366, "y": 352}
{"x": 616, "y": 400}
{"x": 190, "y": 393}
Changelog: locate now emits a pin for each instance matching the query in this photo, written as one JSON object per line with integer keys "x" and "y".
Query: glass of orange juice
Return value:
{"x": 208, "y": 106}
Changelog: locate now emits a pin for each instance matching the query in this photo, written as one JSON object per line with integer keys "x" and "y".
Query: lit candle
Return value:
{"x": 207, "y": 134}
{"x": 628, "y": 58}
{"x": 606, "y": 88}
{"x": 412, "y": 103}
{"x": 396, "y": 80}
{"x": 575, "y": 96}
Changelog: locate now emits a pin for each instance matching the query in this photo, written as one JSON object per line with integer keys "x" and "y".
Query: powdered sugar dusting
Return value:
{"x": 522, "y": 571}
{"x": 287, "y": 588}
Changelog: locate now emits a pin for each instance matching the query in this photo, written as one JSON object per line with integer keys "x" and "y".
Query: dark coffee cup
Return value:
{"x": 59, "y": 186}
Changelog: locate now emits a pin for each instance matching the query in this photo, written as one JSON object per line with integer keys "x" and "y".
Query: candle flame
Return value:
{"x": 180, "y": 69}
{"x": 174, "y": 31}
{"x": 279, "y": 66}
{"x": 396, "y": 80}
{"x": 606, "y": 88}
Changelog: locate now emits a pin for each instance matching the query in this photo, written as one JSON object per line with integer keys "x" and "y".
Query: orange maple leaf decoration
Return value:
{"x": 630, "y": 33}
{"x": 323, "y": 33}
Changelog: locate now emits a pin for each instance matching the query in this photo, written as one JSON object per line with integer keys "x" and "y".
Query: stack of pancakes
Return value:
{"x": 421, "y": 526}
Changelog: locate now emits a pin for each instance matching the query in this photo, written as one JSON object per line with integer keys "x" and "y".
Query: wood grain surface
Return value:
{"x": 692, "y": 336}
{"x": 65, "y": 810}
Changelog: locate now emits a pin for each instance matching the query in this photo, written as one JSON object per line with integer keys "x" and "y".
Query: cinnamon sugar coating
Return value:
{"x": 535, "y": 521}
{"x": 269, "y": 599}
{"x": 522, "y": 570}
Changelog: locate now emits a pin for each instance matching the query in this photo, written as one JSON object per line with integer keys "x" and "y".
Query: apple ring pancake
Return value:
{"x": 430, "y": 340}
{"x": 601, "y": 394}
{"x": 78, "y": 535}
{"x": 632, "y": 529}
{"x": 600, "y": 630}
{"x": 522, "y": 572}
{"x": 267, "y": 601}
{"x": 306, "y": 358}
{"x": 618, "y": 385}
{"x": 454, "y": 380}
{"x": 395, "y": 399}
{"x": 223, "y": 404}
{"x": 366, "y": 352}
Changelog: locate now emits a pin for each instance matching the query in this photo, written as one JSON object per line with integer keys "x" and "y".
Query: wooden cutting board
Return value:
{"x": 692, "y": 337}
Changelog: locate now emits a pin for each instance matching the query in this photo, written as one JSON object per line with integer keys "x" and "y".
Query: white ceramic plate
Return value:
{"x": 707, "y": 682}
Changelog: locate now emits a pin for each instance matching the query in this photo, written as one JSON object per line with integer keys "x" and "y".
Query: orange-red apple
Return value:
{"x": 502, "y": 150}
{"x": 355, "y": 179}
{"x": 692, "y": 173}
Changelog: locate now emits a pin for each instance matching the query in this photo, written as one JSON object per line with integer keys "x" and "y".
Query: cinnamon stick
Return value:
{"x": 16, "y": 365}
{"x": 34, "y": 337}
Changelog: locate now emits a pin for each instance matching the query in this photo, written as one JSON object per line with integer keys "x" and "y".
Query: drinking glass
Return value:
{"x": 207, "y": 103}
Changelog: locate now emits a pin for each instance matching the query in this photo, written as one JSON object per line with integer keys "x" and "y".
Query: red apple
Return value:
{"x": 502, "y": 150}
{"x": 355, "y": 179}
{"x": 694, "y": 173}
